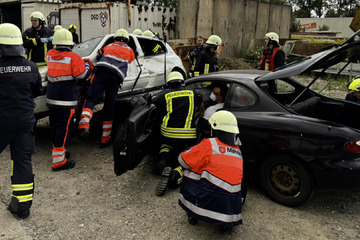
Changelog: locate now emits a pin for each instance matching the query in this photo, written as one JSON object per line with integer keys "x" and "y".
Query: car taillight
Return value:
{"x": 353, "y": 146}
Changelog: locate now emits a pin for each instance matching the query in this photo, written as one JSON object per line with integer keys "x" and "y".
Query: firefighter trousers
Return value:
{"x": 22, "y": 144}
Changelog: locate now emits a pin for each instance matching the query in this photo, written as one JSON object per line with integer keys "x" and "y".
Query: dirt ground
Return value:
{"x": 91, "y": 202}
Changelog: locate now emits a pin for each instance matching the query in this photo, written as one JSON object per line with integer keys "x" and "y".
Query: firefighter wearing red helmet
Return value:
{"x": 20, "y": 82}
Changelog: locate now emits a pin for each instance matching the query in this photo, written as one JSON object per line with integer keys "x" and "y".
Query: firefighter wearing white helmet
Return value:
{"x": 137, "y": 32}
{"x": 20, "y": 82}
{"x": 354, "y": 88}
{"x": 211, "y": 191}
{"x": 177, "y": 109}
{"x": 148, "y": 33}
{"x": 57, "y": 27}
{"x": 273, "y": 55}
{"x": 110, "y": 72}
{"x": 37, "y": 39}
{"x": 206, "y": 61}
{"x": 65, "y": 69}
{"x": 72, "y": 29}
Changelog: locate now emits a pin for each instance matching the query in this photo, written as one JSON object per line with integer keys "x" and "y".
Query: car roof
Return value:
{"x": 338, "y": 53}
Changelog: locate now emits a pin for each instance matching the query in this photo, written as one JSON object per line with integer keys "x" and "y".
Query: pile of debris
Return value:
{"x": 226, "y": 63}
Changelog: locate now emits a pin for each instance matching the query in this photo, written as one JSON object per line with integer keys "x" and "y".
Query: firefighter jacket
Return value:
{"x": 194, "y": 51}
{"x": 20, "y": 82}
{"x": 64, "y": 69}
{"x": 272, "y": 59}
{"x": 177, "y": 108}
{"x": 116, "y": 57}
{"x": 35, "y": 49}
{"x": 211, "y": 187}
{"x": 205, "y": 62}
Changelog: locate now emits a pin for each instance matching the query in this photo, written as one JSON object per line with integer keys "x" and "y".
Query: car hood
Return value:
{"x": 348, "y": 51}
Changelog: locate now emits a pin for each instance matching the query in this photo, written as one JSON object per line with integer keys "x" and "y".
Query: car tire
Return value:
{"x": 120, "y": 151}
{"x": 286, "y": 180}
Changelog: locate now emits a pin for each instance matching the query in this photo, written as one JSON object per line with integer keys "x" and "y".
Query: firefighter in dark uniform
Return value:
{"x": 110, "y": 72}
{"x": 177, "y": 110}
{"x": 206, "y": 62}
{"x": 72, "y": 29}
{"x": 273, "y": 55}
{"x": 193, "y": 53}
{"x": 211, "y": 190}
{"x": 65, "y": 68}
{"x": 37, "y": 39}
{"x": 20, "y": 82}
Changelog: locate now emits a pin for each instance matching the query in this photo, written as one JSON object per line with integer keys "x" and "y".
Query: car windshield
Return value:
{"x": 86, "y": 48}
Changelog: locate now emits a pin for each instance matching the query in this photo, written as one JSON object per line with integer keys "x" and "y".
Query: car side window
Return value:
{"x": 283, "y": 87}
{"x": 151, "y": 47}
{"x": 241, "y": 97}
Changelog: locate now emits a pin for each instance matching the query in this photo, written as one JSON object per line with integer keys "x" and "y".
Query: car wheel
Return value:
{"x": 286, "y": 180}
{"x": 120, "y": 150}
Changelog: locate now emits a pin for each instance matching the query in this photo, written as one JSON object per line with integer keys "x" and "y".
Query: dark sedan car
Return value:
{"x": 297, "y": 139}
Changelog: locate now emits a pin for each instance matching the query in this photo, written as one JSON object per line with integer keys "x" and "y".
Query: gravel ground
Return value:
{"x": 91, "y": 202}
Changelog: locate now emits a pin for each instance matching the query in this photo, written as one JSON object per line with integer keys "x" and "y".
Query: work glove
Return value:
{"x": 50, "y": 38}
{"x": 44, "y": 40}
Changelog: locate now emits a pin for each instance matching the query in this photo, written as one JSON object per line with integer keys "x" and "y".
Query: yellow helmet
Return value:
{"x": 37, "y": 15}
{"x": 214, "y": 40}
{"x": 175, "y": 76}
{"x": 10, "y": 34}
{"x": 72, "y": 26}
{"x": 225, "y": 121}
{"x": 272, "y": 36}
{"x": 137, "y": 32}
{"x": 148, "y": 33}
{"x": 355, "y": 85}
{"x": 63, "y": 37}
{"x": 57, "y": 27}
{"x": 122, "y": 33}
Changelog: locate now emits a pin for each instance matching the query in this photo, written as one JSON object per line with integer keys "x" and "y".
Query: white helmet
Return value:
{"x": 122, "y": 35}
{"x": 214, "y": 41}
{"x": 225, "y": 121}
{"x": 137, "y": 32}
{"x": 148, "y": 33}
{"x": 10, "y": 40}
{"x": 272, "y": 36}
{"x": 63, "y": 37}
{"x": 175, "y": 76}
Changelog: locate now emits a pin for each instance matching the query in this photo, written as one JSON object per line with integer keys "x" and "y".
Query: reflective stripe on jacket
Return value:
{"x": 268, "y": 61}
{"x": 177, "y": 109}
{"x": 211, "y": 186}
{"x": 64, "y": 69}
{"x": 116, "y": 57}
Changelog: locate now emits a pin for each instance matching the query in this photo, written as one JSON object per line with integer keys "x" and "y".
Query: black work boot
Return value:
{"x": 15, "y": 208}
{"x": 164, "y": 181}
{"x": 69, "y": 164}
{"x": 192, "y": 220}
{"x": 105, "y": 145}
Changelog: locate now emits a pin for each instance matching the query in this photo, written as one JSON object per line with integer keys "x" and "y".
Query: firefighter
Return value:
{"x": 273, "y": 55}
{"x": 193, "y": 53}
{"x": 206, "y": 61}
{"x": 72, "y": 29}
{"x": 20, "y": 82}
{"x": 37, "y": 39}
{"x": 110, "y": 72}
{"x": 213, "y": 171}
{"x": 354, "y": 88}
{"x": 137, "y": 32}
{"x": 65, "y": 68}
{"x": 177, "y": 109}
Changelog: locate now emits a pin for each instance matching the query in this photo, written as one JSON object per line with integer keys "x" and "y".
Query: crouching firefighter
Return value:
{"x": 20, "y": 82}
{"x": 178, "y": 108}
{"x": 64, "y": 69}
{"x": 213, "y": 171}
{"x": 110, "y": 72}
